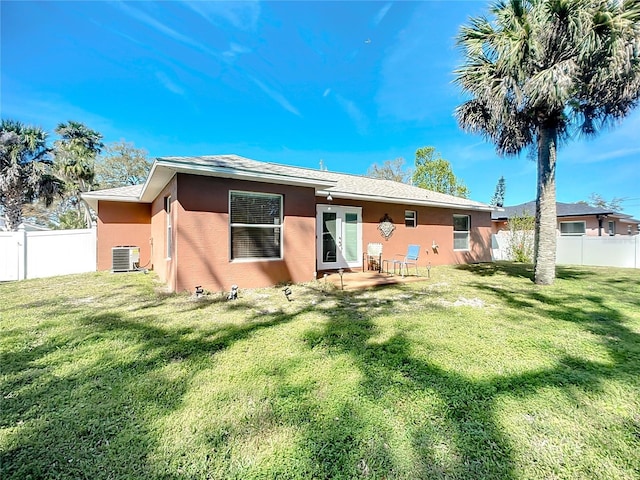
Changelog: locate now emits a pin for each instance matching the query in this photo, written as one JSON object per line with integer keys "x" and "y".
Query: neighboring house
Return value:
{"x": 28, "y": 226}
{"x": 215, "y": 221}
{"x": 574, "y": 219}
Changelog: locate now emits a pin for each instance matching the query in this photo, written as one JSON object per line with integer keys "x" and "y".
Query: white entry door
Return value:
{"x": 339, "y": 237}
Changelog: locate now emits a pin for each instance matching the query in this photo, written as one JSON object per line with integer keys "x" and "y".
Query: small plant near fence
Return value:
{"x": 521, "y": 233}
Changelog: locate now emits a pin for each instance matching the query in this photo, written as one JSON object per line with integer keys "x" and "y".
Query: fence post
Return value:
{"x": 21, "y": 240}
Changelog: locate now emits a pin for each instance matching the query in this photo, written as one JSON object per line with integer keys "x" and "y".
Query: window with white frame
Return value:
{"x": 612, "y": 227}
{"x": 167, "y": 209}
{"x": 255, "y": 221}
{"x": 410, "y": 218}
{"x": 461, "y": 228}
{"x": 573, "y": 228}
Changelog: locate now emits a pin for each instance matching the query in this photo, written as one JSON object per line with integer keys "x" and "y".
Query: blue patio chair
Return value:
{"x": 410, "y": 258}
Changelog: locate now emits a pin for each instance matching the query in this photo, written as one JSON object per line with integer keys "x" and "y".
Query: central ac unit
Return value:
{"x": 125, "y": 258}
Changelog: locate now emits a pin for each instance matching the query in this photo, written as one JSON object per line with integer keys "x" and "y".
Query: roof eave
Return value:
{"x": 93, "y": 200}
{"x": 163, "y": 171}
{"x": 403, "y": 201}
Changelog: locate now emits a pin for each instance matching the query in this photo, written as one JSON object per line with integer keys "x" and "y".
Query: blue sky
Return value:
{"x": 348, "y": 83}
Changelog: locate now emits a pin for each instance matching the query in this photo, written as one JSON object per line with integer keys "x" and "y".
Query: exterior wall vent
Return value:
{"x": 125, "y": 258}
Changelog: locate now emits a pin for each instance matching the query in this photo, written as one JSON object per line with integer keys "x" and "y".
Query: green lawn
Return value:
{"x": 475, "y": 373}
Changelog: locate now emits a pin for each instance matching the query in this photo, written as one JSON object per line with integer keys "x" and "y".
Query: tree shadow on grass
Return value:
{"x": 490, "y": 269}
{"x": 465, "y": 411}
{"x": 99, "y": 419}
{"x": 523, "y": 270}
{"x": 95, "y": 419}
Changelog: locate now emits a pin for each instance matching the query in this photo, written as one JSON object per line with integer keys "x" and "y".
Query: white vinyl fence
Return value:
{"x": 617, "y": 251}
{"x": 37, "y": 254}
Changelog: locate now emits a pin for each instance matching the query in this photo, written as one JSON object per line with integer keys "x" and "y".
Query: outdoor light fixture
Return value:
{"x": 233, "y": 294}
{"x": 341, "y": 272}
{"x": 287, "y": 292}
{"x": 329, "y": 198}
{"x": 434, "y": 245}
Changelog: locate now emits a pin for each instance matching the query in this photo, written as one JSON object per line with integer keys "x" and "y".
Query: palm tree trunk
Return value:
{"x": 13, "y": 207}
{"x": 545, "y": 232}
{"x": 87, "y": 213}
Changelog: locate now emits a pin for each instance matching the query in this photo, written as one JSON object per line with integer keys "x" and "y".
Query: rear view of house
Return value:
{"x": 215, "y": 221}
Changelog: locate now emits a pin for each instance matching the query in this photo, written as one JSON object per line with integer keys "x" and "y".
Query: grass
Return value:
{"x": 475, "y": 373}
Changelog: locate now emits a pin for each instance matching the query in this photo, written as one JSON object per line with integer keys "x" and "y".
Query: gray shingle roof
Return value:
{"x": 339, "y": 185}
{"x": 132, "y": 191}
{"x": 562, "y": 210}
{"x": 344, "y": 185}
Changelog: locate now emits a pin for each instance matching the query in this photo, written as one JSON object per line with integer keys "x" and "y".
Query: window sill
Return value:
{"x": 254, "y": 260}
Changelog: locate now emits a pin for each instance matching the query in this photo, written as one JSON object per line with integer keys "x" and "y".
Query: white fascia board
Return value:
{"x": 403, "y": 201}
{"x": 162, "y": 172}
{"x": 93, "y": 200}
{"x": 158, "y": 178}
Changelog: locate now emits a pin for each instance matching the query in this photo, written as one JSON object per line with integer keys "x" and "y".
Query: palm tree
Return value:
{"x": 24, "y": 169}
{"x": 75, "y": 155}
{"x": 538, "y": 69}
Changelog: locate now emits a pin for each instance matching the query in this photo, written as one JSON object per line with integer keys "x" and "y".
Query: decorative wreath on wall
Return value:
{"x": 386, "y": 226}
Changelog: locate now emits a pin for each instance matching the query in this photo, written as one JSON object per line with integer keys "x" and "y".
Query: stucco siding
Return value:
{"x": 203, "y": 238}
{"x": 163, "y": 264}
{"x": 435, "y": 226}
{"x": 122, "y": 223}
{"x": 591, "y": 225}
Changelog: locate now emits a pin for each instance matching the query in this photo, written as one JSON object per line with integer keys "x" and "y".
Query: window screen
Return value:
{"x": 461, "y": 224}
{"x": 572, "y": 228}
{"x": 410, "y": 218}
{"x": 256, "y": 225}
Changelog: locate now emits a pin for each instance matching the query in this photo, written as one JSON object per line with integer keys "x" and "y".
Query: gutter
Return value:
{"x": 405, "y": 201}
{"x": 220, "y": 172}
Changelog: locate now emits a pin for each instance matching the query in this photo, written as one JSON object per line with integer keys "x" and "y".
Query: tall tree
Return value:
{"x": 498, "y": 196}
{"x": 390, "y": 170}
{"x": 122, "y": 164}
{"x": 597, "y": 200}
{"x": 434, "y": 173}
{"x": 75, "y": 154}
{"x": 537, "y": 68}
{"x": 24, "y": 169}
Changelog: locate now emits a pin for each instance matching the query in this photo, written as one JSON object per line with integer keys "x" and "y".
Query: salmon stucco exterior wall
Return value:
{"x": 119, "y": 224}
{"x": 592, "y": 226}
{"x": 164, "y": 262}
{"x": 435, "y": 226}
{"x": 202, "y": 240}
{"x": 195, "y": 250}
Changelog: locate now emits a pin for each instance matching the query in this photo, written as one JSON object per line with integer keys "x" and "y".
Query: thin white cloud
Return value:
{"x": 412, "y": 87}
{"x": 45, "y": 112}
{"x": 382, "y": 13}
{"x": 615, "y": 154}
{"x": 620, "y": 142}
{"x": 275, "y": 96}
{"x": 326, "y": 93}
{"x": 169, "y": 85}
{"x": 162, "y": 28}
{"x": 241, "y": 15}
{"x": 236, "y": 50}
{"x": 355, "y": 114}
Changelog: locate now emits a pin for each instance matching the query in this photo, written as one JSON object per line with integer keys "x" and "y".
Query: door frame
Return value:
{"x": 341, "y": 261}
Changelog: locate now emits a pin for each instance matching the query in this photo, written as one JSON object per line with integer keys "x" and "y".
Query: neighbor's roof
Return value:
{"x": 562, "y": 210}
{"x": 339, "y": 185}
